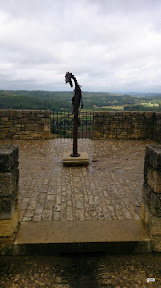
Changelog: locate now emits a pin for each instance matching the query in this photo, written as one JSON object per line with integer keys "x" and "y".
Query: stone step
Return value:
{"x": 111, "y": 236}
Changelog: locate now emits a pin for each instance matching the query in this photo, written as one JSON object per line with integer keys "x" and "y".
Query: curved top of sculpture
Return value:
{"x": 68, "y": 79}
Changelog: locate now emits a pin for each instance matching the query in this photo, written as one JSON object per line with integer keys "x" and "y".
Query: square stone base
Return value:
{"x": 68, "y": 160}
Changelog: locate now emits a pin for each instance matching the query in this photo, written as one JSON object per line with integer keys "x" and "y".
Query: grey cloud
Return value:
{"x": 109, "y": 45}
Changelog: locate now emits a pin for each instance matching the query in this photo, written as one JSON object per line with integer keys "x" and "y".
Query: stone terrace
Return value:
{"x": 110, "y": 187}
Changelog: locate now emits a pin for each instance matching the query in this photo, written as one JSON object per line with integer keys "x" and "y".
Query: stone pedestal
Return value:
{"x": 9, "y": 208}
{"x": 151, "y": 212}
{"x": 68, "y": 160}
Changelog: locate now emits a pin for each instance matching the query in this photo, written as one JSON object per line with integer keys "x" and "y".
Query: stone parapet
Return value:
{"x": 152, "y": 194}
{"x": 123, "y": 125}
{"x": 9, "y": 207}
{"x": 25, "y": 124}
{"x": 157, "y": 127}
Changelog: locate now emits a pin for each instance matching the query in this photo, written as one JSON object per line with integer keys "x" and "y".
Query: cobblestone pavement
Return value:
{"x": 110, "y": 187}
{"x": 81, "y": 271}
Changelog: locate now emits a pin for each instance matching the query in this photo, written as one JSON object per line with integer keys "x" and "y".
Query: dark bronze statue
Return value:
{"x": 76, "y": 101}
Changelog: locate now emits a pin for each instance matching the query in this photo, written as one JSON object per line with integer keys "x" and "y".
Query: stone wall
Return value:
{"x": 25, "y": 124}
{"x": 152, "y": 194}
{"x": 9, "y": 207}
{"x": 36, "y": 124}
{"x": 123, "y": 125}
{"x": 157, "y": 128}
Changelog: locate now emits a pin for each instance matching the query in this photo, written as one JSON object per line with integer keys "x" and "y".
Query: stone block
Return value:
{"x": 12, "y": 113}
{"x": 4, "y": 119}
{"x": 45, "y": 121}
{"x": 41, "y": 114}
{"x": 45, "y": 135}
{"x": 145, "y": 215}
{"x": 156, "y": 243}
{"x": 35, "y": 112}
{"x": 39, "y": 128}
{"x": 6, "y": 245}
{"x": 4, "y": 113}
{"x": 22, "y": 121}
{"x": 9, "y": 182}
{"x": 155, "y": 225}
{"x": 153, "y": 179}
{"x": 73, "y": 161}
{"x": 96, "y": 135}
{"x": 47, "y": 128}
{"x": 149, "y": 115}
{"x": 48, "y": 113}
{"x": 98, "y": 119}
{"x": 26, "y": 113}
{"x": 6, "y": 207}
{"x": 8, "y": 157}
{"x": 155, "y": 204}
{"x": 15, "y": 137}
{"x": 19, "y": 113}
{"x": 29, "y": 127}
{"x": 146, "y": 192}
{"x": 153, "y": 156}
{"x": 9, "y": 226}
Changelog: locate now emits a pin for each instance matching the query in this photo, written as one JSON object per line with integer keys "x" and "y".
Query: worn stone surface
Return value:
{"x": 9, "y": 209}
{"x": 152, "y": 193}
{"x": 152, "y": 201}
{"x": 81, "y": 232}
{"x": 9, "y": 182}
{"x": 81, "y": 271}
{"x": 25, "y": 124}
{"x": 8, "y": 157}
{"x": 153, "y": 156}
{"x": 154, "y": 179}
{"x": 110, "y": 187}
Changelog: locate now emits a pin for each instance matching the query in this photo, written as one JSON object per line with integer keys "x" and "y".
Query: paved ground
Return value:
{"x": 110, "y": 187}
{"x": 81, "y": 271}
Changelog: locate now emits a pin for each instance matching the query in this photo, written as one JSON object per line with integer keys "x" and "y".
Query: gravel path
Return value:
{"x": 81, "y": 271}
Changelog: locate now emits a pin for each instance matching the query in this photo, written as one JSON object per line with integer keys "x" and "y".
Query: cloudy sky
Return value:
{"x": 109, "y": 45}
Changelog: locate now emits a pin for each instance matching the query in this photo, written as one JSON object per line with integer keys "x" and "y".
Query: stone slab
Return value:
{"x": 81, "y": 236}
{"x": 81, "y": 160}
{"x": 81, "y": 231}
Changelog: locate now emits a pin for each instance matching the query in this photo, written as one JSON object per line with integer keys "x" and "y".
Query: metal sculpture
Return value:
{"x": 76, "y": 102}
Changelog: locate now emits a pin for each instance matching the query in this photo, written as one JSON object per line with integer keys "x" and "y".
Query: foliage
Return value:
{"x": 61, "y": 101}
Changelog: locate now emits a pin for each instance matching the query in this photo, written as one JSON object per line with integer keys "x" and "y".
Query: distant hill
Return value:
{"x": 139, "y": 94}
{"x": 62, "y": 101}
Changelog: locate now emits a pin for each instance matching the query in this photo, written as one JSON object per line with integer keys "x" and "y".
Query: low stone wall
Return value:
{"x": 9, "y": 207}
{"x": 36, "y": 124}
{"x": 123, "y": 125}
{"x": 25, "y": 124}
{"x": 152, "y": 194}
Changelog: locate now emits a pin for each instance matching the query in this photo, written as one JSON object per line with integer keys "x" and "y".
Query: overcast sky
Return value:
{"x": 109, "y": 45}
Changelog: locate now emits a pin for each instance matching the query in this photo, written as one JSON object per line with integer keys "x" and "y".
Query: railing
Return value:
{"x": 62, "y": 124}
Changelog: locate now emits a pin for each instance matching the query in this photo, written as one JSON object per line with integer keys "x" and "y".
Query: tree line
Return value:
{"x": 57, "y": 101}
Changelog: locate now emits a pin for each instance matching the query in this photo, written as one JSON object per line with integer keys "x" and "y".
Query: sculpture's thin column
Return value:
{"x": 152, "y": 194}
{"x": 9, "y": 208}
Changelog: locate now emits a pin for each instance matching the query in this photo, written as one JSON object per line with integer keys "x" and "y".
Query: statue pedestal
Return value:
{"x": 68, "y": 160}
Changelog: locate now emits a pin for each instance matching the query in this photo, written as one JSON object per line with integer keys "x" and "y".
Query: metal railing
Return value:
{"x": 62, "y": 124}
